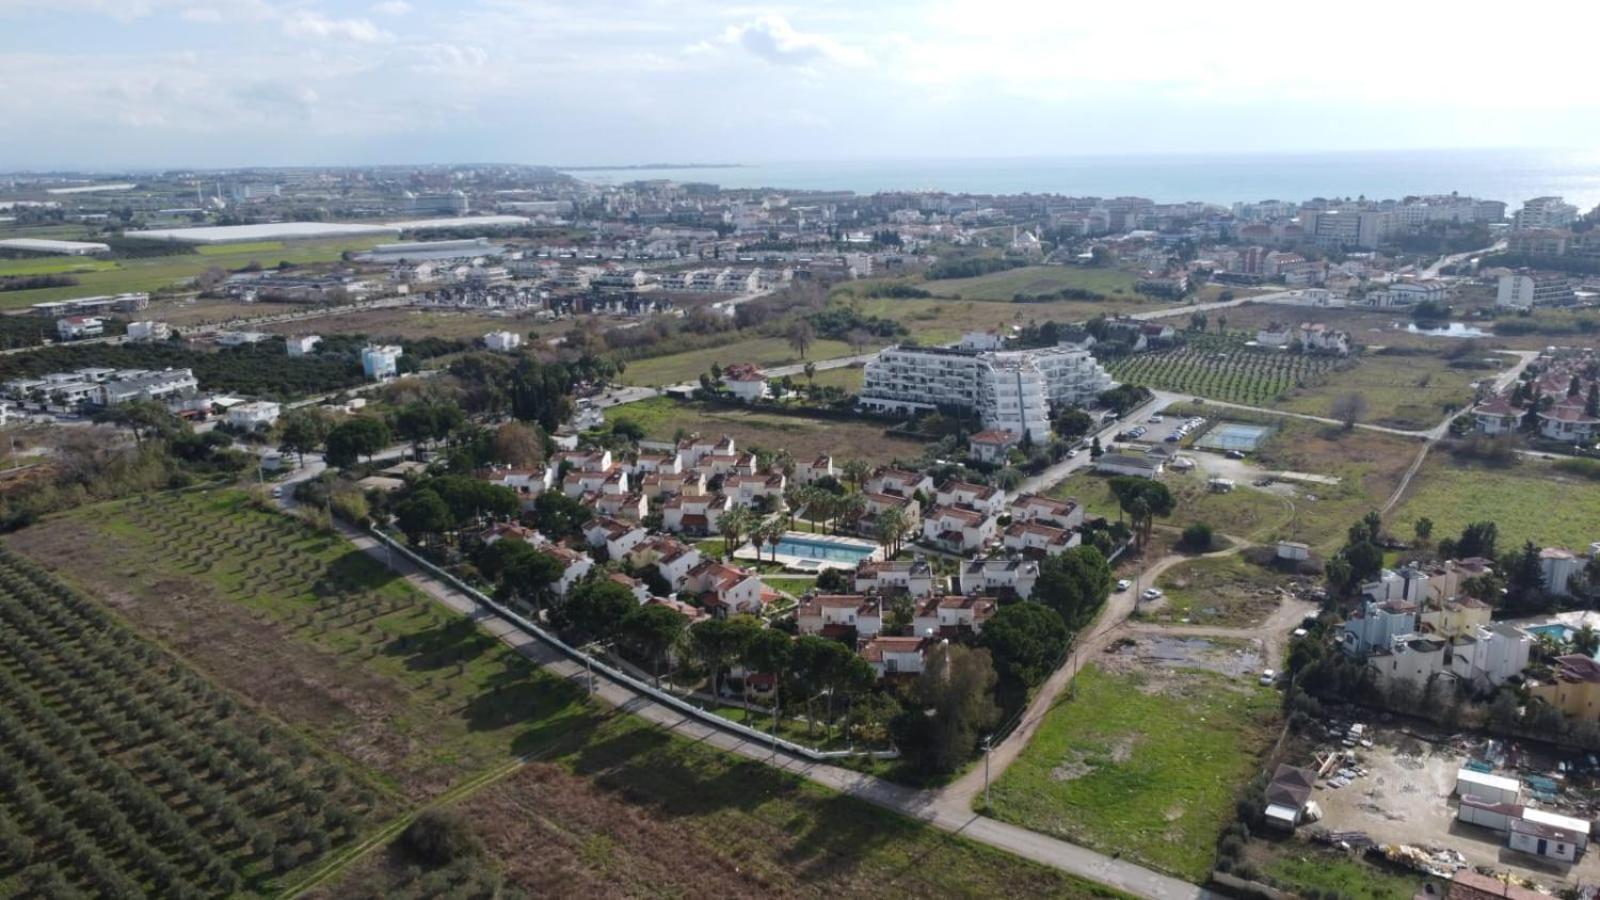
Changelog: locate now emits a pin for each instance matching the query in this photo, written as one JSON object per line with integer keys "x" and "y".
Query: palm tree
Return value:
{"x": 891, "y": 528}
{"x": 775, "y": 532}
{"x": 819, "y": 507}
{"x": 783, "y": 461}
{"x": 1587, "y": 640}
{"x": 732, "y": 525}
{"x": 856, "y": 471}
{"x": 849, "y": 508}
{"x": 811, "y": 375}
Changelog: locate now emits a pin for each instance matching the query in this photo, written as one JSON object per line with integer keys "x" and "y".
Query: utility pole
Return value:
{"x": 988, "y": 745}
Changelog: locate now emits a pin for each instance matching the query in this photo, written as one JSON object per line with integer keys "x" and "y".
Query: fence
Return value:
{"x": 617, "y": 675}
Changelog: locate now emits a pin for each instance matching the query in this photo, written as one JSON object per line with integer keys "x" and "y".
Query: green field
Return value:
{"x": 845, "y": 378}
{"x": 1002, "y": 286}
{"x": 681, "y": 368}
{"x": 55, "y": 265}
{"x": 1244, "y": 512}
{"x": 639, "y": 813}
{"x": 1146, "y": 764}
{"x": 1531, "y": 501}
{"x": 804, "y": 437}
{"x": 156, "y": 272}
{"x": 1401, "y": 391}
{"x": 317, "y": 632}
{"x": 1224, "y": 590}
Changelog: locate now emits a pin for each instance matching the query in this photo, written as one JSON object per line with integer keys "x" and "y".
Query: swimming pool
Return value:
{"x": 832, "y": 549}
{"x": 1234, "y": 436}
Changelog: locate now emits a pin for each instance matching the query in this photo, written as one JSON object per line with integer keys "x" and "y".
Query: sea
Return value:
{"x": 1509, "y": 175}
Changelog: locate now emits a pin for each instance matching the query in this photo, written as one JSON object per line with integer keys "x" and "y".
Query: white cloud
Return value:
{"x": 391, "y": 8}
{"x": 772, "y": 38}
{"x": 307, "y": 24}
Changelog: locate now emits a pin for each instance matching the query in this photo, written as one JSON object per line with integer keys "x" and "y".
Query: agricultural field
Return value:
{"x": 125, "y": 773}
{"x": 156, "y": 272}
{"x": 803, "y": 436}
{"x": 315, "y": 632}
{"x": 1412, "y": 390}
{"x": 1227, "y": 591}
{"x": 53, "y": 265}
{"x": 1528, "y": 501}
{"x": 407, "y": 324}
{"x": 637, "y": 812}
{"x": 1224, "y": 367}
{"x": 1146, "y": 763}
{"x": 681, "y": 368}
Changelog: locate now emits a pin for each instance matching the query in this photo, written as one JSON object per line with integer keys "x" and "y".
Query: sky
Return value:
{"x": 216, "y": 83}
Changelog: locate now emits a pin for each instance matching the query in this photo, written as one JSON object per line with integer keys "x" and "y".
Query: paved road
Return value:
{"x": 1433, "y": 270}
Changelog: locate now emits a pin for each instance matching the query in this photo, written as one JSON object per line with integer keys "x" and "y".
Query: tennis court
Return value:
{"x": 1234, "y": 436}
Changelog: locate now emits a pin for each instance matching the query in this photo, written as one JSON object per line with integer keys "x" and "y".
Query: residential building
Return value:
{"x": 1452, "y": 616}
{"x": 694, "y": 514}
{"x": 1526, "y": 290}
{"x": 981, "y": 497}
{"x": 998, "y": 575}
{"x": 952, "y": 615}
{"x": 617, "y": 536}
{"x": 1287, "y": 795}
{"x": 253, "y": 415}
{"x": 1410, "y": 293}
{"x": 1490, "y": 655}
{"x": 303, "y": 344}
{"x": 1376, "y": 624}
{"x": 75, "y": 328}
{"x": 1574, "y": 687}
{"x": 724, "y": 589}
{"x": 1037, "y": 540}
{"x": 958, "y": 529}
{"x": 1315, "y": 337}
{"x": 502, "y": 341}
{"x": 1558, "y": 565}
{"x": 380, "y": 361}
{"x": 575, "y": 565}
{"x": 914, "y": 577}
{"x": 1047, "y": 511}
{"x": 808, "y": 471}
{"x": 673, "y": 559}
{"x": 148, "y": 331}
{"x": 529, "y": 483}
{"x": 993, "y": 446}
{"x": 892, "y": 655}
{"x": 899, "y": 483}
{"x": 1008, "y": 390}
{"x": 1569, "y": 422}
{"x": 1274, "y": 334}
{"x": 1496, "y": 416}
{"x": 745, "y": 381}
{"x": 1546, "y": 212}
{"x": 241, "y": 338}
{"x": 836, "y": 615}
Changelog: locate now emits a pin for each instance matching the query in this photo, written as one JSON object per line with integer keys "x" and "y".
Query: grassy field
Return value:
{"x": 156, "y": 272}
{"x": 143, "y": 773}
{"x": 805, "y": 438}
{"x": 1307, "y": 870}
{"x": 315, "y": 632}
{"x": 1401, "y": 391}
{"x": 1002, "y": 286}
{"x": 1147, "y": 765}
{"x": 53, "y": 265}
{"x": 407, "y": 324}
{"x": 1224, "y": 590}
{"x": 1529, "y": 501}
{"x": 678, "y": 368}
{"x": 941, "y": 321}
{"x": 1245, "y": 512}
{"x": 846, "y": 378}
{"x": 637, "y": 812}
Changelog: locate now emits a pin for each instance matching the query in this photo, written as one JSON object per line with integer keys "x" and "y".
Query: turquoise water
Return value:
{"x": 1509, "y": 175}
{"x": 1554, "y": 629}
{"x": 824, "y": 550}
{"x": 1233, "y": 436}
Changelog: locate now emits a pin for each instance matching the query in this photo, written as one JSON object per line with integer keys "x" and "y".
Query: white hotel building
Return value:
{"x": 1010, "y": 390}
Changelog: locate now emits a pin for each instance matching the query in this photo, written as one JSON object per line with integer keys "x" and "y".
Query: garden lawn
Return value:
{"x": 1222, "y": 590}
{"x": 315, "y": 631}
{"x": 1144, "y": 764}
{"x": 685, "y": 368}
{"x": 662, "y": 418}
{"x": 1531, "y": 501}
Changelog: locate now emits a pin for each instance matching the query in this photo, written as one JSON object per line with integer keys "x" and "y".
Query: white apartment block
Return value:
{"x": 502, "y": 341}
{"x": 1009, "y": 390}
{"x": 1546, "y": 212}
{"x": 1523, "y": 291}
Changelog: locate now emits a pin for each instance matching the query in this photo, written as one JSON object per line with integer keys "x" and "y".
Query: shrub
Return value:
{"x": 438, "y": 838}
{"x": 1197, "y": 537}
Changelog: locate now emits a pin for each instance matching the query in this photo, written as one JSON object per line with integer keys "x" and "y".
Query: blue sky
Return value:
{"x": 107, "y": 83}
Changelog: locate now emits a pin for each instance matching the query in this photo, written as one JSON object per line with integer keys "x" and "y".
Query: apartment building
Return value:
{"x": 1010, "y": 390}
{"x": 1525, "y": 290}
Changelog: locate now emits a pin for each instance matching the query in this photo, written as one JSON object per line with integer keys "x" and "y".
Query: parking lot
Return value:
{"x": 1155, "y": 432}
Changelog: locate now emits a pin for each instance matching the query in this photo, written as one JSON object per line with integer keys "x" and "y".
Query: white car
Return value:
{"x": 1155, "y": 420}
{"x": 1150, "y": 594}
{"x": 1268, "y": 677}
{"x": 1123, "y": 584}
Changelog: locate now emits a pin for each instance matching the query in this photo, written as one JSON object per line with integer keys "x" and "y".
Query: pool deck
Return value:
{"x": 812, "y": 564}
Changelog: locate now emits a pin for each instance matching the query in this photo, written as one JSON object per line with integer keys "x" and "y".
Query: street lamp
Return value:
{"x": 988, "y": 745}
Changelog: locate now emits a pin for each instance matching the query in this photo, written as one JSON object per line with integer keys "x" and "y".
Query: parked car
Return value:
{"x": 1150, "y": 594}
{"x": 1234, "y": 454}
{"x": 1123, "y": 584}
{"x": 1156, "y": 419}
{"x": 1268, "y": 676}
{"x": 1071, "y": 453}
